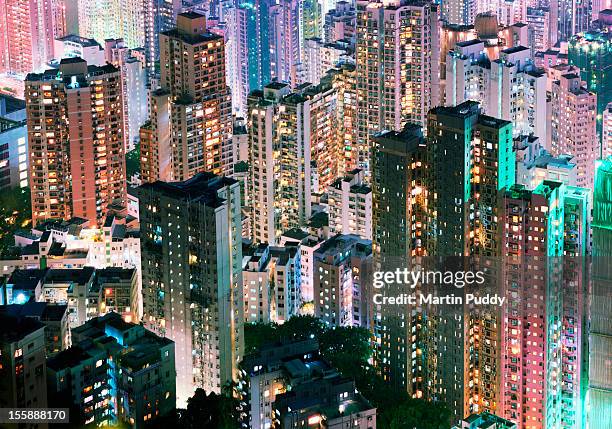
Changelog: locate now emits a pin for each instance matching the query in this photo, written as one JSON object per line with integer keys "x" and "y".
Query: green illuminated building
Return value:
{"x": 472, "y": 159}
{"x": 592, "y": 53}
{"x": 599, "y": 395}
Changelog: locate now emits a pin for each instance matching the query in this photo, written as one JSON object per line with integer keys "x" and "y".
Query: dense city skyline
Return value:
{"x": 311, "y": 214}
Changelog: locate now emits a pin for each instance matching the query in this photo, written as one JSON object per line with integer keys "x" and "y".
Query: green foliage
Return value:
{"x": 419, "y": 414}
{"x": 132, "y": 161}
{"x": 15, "y": 214}
{"x": 210, "y": 411}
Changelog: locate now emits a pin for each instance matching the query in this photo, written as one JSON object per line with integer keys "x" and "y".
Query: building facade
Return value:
{"x": 75, "y": 141}
{"x": 192, "y": 276}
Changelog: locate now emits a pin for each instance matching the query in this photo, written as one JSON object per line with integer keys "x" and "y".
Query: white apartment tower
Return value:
{"x": 509, "y": 88}
{"x": 397, "y": 67}
{"x": 279, "y": 156}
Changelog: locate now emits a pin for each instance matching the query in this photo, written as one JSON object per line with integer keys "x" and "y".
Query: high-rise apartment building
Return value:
{"x": 340, "y": 23}
{"x": 280, "y": 160}
{"x": 568, "y": 18}
{"x": 320, "y": 57}
{"x": 459, "y": 12}
{"x": 248, "y": 53}
{"x": 286, "y": 41}
{"x": 517, "y": 92}
{"x": 544, "y": 277}
{"x": 573, "y": 125}
{"x": 271, "y": 282}
{"x": 533, "y": 226}
{"x": 346, "y": 126}
{"x": 396, "y": 68}
{"x": 155, "y": 136}
{"x": 75, "y": 141}
{"x": 538, "y": 23}
{"x": 134, "y": 82}
{"x": 468, "y": 73}
{"x": 159, "y": 16}
{"x": 308, "y": 244}
{"x": 324, "y": 138}
{"x": 191, "y": 127}
{"x": 509, "y": 87}
{"x": 472, "y": 159}
{"x": 113, "y": 19}
{"x": 476, "y": 175}
{"x": 192, "y": 276}
{"x": 27, "y": 33}
{"x": 399, "y": 203}
{"x": 311, "y": 19}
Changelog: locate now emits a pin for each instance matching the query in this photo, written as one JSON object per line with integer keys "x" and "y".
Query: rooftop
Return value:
{"x": 43, "y": 311}
{"x": 15, "y": 328}
{"x": 72, "y": 275}
{"x": 27, "y": 279}
{"x": 469, "y": 43}
{"x": 492, "y": 122}
{"x": 203, "y": 188}
{"x": 192, "y": 39}
{"x": 83, "y": 41}
{"x": 55, "y": 75}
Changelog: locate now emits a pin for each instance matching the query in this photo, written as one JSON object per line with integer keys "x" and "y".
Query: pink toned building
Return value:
{"x": 27, "y": 31}
{"x": 75, "y": 141}
{"x": 545, "y": 233}
{"x": 573, "y": 125}
{"x": 532, "y": 235}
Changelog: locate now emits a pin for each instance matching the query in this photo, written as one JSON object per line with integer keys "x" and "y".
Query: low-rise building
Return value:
{"x": 485, "y": 421}
{"x": 271, "y": 279}
{"x": 54, "y": 317}
{"x": 267, "y": 374}
{"x": 115, "y": 372}
{"x": 22, "y": 364}
{"x": 119, "y": 292}
{"x": 323, "y": 400}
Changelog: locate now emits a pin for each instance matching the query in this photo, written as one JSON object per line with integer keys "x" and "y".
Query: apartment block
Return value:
{"x": 22, "y": 347}
{"x": 396, "y": 68}
{"x": 190, "y": 124}
{"x": 115, "y": 372}
{"x": 192, "y": 276}
{"x": 342, "y": 266}
{"x": 573, "y": 126}
{"x": 75, "y": 141}
{"x": 271, "y": 278}
{"x": 350, "y": 205}
{"x": 27, "y": 34}
{"x": 280, "y": 160}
